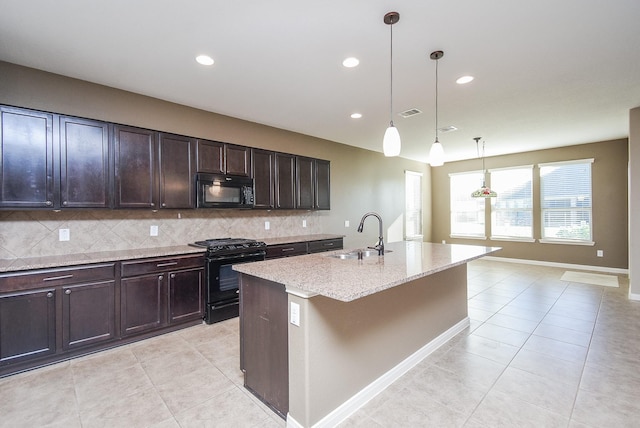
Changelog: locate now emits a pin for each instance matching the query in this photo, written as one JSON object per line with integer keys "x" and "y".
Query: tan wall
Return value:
{"x": 340, "y": 348}
{"x": 609, "y": 177}
{"x": 361, "y": 180}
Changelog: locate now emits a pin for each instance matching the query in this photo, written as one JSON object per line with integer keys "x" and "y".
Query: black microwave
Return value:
{"x": 224, "y": 191}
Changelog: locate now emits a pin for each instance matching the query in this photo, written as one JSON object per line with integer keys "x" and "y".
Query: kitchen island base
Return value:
{"x": 343, "y": 353}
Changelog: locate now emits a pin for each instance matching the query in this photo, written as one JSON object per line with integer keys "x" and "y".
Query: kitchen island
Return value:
{"x": 322, "y": 334}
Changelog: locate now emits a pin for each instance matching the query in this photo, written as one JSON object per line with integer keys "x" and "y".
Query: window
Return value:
{"x": 565, "y": 198}
{"x": 512, "y": 210}
{"x": 467, "y": 213}
{"x": 413, "y": 205}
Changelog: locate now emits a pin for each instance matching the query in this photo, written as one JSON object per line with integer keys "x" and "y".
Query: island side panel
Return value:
{"x": 263, "y": 341}
{"x": 340, "y": 347}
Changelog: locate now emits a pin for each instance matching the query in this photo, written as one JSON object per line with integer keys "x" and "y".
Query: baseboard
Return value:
{"x": 361, "y": 398}
{"x": 561, "y": 265}
{"x": 634, "y": 296}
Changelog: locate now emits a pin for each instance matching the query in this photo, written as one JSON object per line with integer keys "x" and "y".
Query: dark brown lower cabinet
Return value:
{"x": 142, "y": 303}
{"x": 264, "y": 341}
{"x": 88, "y": 314}
{"x": 186, "y": 299}
{"x": 85, "y": 309}
{"x": 27, "y": 325}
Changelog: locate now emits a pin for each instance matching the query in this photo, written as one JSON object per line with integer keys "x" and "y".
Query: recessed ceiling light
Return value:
{"x": 204, "y": 60}
{"x": 356, "y": 115}
{"x": 464, "y": 79}
{"x": 351, "y": 62}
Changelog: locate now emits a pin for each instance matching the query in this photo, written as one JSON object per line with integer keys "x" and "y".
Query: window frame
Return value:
{"x": 566, "y": 241}
{"x": 494, "y": 210}
{"x": 478, "y": 175}
{"x": 418, "y": 213}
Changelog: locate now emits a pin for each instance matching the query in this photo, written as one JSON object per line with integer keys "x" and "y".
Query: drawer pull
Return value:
{"x": 67, "y": 291}
{"x": 55, "y": 278}
{"x": 49, "y": 294}
{"x": 328, "y": 244}
{"x": 166, "y": 264}
{"x": 287, "y": 249}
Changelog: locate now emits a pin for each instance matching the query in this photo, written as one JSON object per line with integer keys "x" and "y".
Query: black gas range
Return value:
{"x": 221, "y": 281}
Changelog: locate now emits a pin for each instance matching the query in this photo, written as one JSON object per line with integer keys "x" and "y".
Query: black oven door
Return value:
{"x": 222, "y": 283}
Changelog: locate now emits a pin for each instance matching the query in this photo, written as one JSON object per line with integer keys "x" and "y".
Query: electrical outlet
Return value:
{"x": 346, "y": 223}
{"x": 153, "y": 230}
{"x": 600, "y": 253}
{"x": 64, "y": 235}
{"x": 295, "y": 314}
{"x": 267, "y": 225}
{"x": 304, "y": 223}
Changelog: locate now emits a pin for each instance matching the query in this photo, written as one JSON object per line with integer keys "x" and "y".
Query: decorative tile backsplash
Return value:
{"x": 36, "y": 233}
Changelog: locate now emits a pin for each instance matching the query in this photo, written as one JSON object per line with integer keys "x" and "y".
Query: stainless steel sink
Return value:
{"x": 355, "y": 254}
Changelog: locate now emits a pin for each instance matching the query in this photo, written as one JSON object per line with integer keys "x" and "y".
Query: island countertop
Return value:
{"x": 351, "y": 279}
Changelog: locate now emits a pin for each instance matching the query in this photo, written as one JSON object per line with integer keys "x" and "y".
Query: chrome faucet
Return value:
{"x": 380, "y": 245}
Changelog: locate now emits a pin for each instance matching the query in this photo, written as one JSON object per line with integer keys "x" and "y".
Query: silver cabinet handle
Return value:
{"x": 173, "y": 275}
{"x": 49, "y": 294}
{"x": 160, "y": 277}
{"x": 48, "y": 203}
{"x": 166, "y": 264}
{"x": 55, "y": 278}
{"x": 67, "y": 291}
{"x": 287, "y": 249}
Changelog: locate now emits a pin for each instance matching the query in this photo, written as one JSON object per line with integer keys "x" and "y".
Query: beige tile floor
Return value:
{"x": 540, "y": 352}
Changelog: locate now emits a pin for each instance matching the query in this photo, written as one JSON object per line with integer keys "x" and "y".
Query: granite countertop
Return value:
{"x": 351, "y": 279}
{"x": 28, "y": 263}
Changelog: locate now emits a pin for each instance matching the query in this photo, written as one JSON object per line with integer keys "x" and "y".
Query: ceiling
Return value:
{"x": 547, "y": 73}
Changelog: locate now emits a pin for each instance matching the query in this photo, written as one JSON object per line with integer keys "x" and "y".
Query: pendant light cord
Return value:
{"x": 391, "y": 73}
{"x": 437, "y": 100}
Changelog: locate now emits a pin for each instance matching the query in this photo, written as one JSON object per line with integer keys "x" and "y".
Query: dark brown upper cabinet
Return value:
{"x": 177, "y": 171}
{"x": 84, "y": 163}
{"x": 322, "y": 184}
{"x": 26, "y": 158}
{"x": 263, "y": 167}
{"x": 210, "y": 157}
{"x": 237, "y": 160}
{"x": 285, "y": 170}
{"x": 305, "y": 183}
{"x": 215, "y": 157}
{"x": 135, "y": 167}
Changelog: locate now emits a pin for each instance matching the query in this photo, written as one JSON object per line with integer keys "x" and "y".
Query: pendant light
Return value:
{"x": 391, "y": 141}
{"x": 484, "y": 191}
{"x": 436, "y": 154}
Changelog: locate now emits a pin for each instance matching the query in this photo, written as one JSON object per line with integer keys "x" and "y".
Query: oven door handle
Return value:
{"x": 237, "y": 257}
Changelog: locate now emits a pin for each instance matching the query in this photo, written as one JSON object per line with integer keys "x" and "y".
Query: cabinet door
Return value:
{"x": 84, "y": 163}
{"x": 27, "y": 325}
{"x": 26, "y": 158}
{"x": 88, "y": 314}
{"x": 142, "y": 303}
{"x": 136, "y": 173}
{"x": 305, "y": 183}
{"x": 285, "y": 181}
{"x": 177, "y": 182}
{"x": 186, "y": 300}
{"x": 210, "y": 157}
{"x": 322, "y": 184}
{"x": 237, "y": 160}
{"x": 263, "y": 164}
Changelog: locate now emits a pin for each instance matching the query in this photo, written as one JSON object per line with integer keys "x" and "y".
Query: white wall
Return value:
{"x": 634, "y": 203}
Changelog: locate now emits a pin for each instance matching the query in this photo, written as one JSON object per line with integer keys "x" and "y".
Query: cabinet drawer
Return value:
{"x": 164, "y": 264}
{"x": 286, "y": 250}
{"x": 325, "y": 245}
{"x": 52, "y": 277}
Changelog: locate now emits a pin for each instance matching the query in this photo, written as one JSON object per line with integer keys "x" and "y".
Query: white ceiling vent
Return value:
{"x": 446, "y": 129}
{"x": 409, "y": 113}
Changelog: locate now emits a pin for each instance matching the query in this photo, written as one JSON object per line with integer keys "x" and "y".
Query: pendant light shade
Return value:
{"x": 484, "y": 191}
{"x": 436, "y": 154}
{"x": 391, "y": 142}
